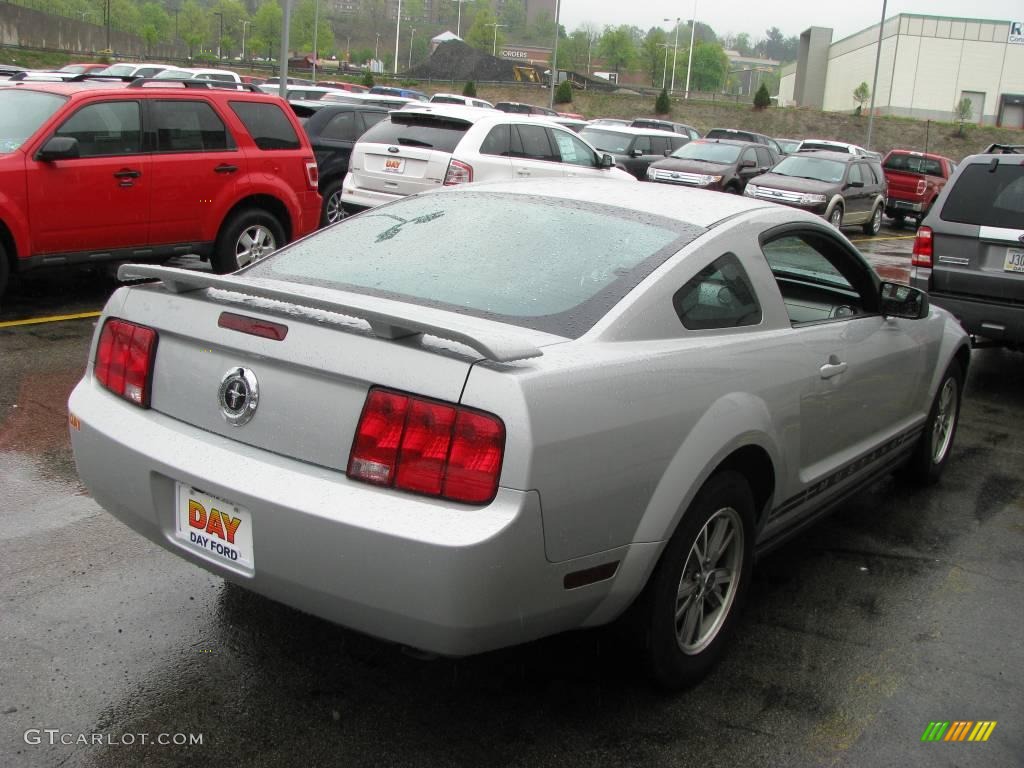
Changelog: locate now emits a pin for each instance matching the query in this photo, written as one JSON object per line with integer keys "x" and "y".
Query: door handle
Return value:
{"x": 127, "y": 173}
{"x": 832, "y": 368}
{"x": 522, "y": 172}
{"x": 225, "y": 168}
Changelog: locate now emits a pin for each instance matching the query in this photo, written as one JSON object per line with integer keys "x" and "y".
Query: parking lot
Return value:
{"x": 900, "y": 609}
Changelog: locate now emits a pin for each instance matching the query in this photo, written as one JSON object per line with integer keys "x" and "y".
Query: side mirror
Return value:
{"x": 856, "y": 184}
{"x": 668, "y": 153}
{"x": 637, "y": 153}
{"x": 58, "y": 148}
{"x": 607, "y": 161}
{"x": 748, "y": 164}
{"x": 899, "y": 300}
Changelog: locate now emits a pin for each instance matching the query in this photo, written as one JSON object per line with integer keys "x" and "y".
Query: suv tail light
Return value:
{"x": 124, "y": 360}
{"x": 922, "y": 256}
{"x": 427, "y": 447}
{"x": 458, "y": 173}
{"x": 921, "y": 184}
{"x": 312, "y": 174}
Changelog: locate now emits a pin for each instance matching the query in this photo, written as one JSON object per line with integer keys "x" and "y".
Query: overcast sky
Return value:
{"x": 791, "y": 16}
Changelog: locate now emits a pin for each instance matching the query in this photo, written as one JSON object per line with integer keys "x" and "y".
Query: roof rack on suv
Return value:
{"x": 995, "y": 149}
{"x": 64, "y": 77}
{"x": 140, "y": 82}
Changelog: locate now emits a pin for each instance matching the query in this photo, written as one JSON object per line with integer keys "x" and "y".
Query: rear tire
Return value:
{"x": 873, "y": 225}
{"x": 332, "y": 210}
{"x": 836, "y": 217}
{"x": 932, "y": 452}
{"x": 248, "y": 236}
{"x": 689, "y": 609}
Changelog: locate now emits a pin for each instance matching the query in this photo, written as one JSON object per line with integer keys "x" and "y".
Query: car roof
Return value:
{"x": 696, "y": 205}
{"x": 730, "y": 142}
{"x": 828, "y": 154}
{"x": 737, "y": 130}
{"x": 917, "y": 153}
{"x": 459, "y": 111}
{"x": 631, "y": 131}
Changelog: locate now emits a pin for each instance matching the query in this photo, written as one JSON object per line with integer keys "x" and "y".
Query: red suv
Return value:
{"x": 102, "y": 171}
{"x": 915, "y": 180}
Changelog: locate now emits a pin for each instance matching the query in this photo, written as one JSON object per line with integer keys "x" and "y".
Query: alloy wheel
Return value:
{"x": 945, "y": 418}
{"x": 256, "y": 242}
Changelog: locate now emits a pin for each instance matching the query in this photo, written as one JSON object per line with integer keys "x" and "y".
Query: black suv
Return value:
{"x": 333, "y": 130}
{"x": 633, "y": 148}
{"x": 969, "y": 251}
{"x": 847, "y": 190}
{"x": 723, "y": 166}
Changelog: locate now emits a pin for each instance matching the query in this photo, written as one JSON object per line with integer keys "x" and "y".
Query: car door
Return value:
{"x": 578, "y": 160}
{"x": 99, "y": 200}
{"x": 533, "y": 153}
{"x": 748, "y": 167}
{"x": 857, "y": 194}
{"x": 864, "y": 374}
{"x": 196, "y": 165}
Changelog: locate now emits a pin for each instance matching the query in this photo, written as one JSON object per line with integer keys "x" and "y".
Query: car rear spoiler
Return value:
{"x": 388, "y": 319}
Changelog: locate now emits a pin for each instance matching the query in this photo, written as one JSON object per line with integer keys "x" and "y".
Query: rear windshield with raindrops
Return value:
{"x": 546, "y": 263}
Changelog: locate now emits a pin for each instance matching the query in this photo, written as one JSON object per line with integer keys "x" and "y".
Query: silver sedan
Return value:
{"x": 487, "y": 414}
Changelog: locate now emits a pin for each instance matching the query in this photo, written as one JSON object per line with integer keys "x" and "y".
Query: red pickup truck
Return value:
{"x": 915, "y": 180}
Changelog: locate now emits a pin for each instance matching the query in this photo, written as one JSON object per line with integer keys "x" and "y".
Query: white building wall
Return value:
{"x": 787, "y": 88}
{"x": 850, "y": 69}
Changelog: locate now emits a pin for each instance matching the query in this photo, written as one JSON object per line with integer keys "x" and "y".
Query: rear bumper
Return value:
{"x": 442, "y": 577}
{"x": 990, "y": 319}
{"x": 903, "y": 205}
{"x": 364, "y": 198}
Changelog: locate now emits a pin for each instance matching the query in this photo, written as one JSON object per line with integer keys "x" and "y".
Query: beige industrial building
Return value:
{"x": 928, "y": 64}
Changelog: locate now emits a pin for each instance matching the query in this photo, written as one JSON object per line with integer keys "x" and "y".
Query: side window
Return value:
{"x": 854, "y": 174}
{"x": 535, "y": 143}
{"x": 819, "y": 279}
{"x": 574, "y": 151}
{"x": 370, "y": 119}
{"x": 749, "y": 154}
{"x": 108, "y": 128}
{"x": 188, "y": 126}
{"x": 643, "y": 143}
{"x": 659, "y": 145}
{"x": 764, "y": 158}
{"x": 694, "y": 135}
{"x": 677, "y": 143}
{"x": 497, "y": 141}
{"x": 267, "y": 125}
{"x": 341, "y": 127}
{"x": 719, "y": 296}
{"x": 868, "y": 173}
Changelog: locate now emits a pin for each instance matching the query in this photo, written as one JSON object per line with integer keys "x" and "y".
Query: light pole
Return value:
{"x": 108, "y": 27}
{"x": 282, "y": 63}
{"x": 675, "y": 52}
{"x": 494, "y": 45}
{"x": 221, "y": 37}
{"x": 376, "y": 46}
{"x": 664, "y": 70}
{"x": 316, "y": 23}
{"x": 874, "y": 82}
{"x": 410, "y": 46}
{"x": 398, "y": 29}
{"x": 458, "y": 25}
{"x": 689, "y": 59}
{"x": 244, "y": 25}
{"x": 554, "y": 58}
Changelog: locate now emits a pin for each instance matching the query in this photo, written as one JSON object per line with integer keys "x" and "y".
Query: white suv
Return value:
{"x": 419, "y": 149}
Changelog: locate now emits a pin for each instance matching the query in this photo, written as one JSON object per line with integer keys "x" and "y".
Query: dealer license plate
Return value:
{"x": 1014, "y": 261}
{"x": 217, "y": 528}
{"x": 394, "y": 165}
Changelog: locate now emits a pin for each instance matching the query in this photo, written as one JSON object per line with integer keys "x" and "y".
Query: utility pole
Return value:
{"x": 689, "y": 60}
{"x": 554, "y": 58}
{"x": 244, "y": 25}
{"x": 282, "y": 64}
{"x": 376, "y": 46}
{"x": 413, "y": 35}
{"x": 316, "y": 23}
{"x": 221, "y": 37}
{"x": 675, "y": 53}
{"x": 664, "y": 70}
{"x": 398, "y": 29}
{"x": 108, "y": 27}
{"x": 874, "y": 82}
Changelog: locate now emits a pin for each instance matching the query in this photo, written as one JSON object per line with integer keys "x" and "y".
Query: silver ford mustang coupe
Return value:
{"x": 486, "y": 414}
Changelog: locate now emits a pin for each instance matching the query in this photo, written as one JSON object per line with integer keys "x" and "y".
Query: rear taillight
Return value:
{"x": 427, "y": 447}
{"x": 458, "y": 173}
{"x": 124, "y": 360}
{"x": 312, "y": 174}
{"x": 921, "y": 184}
{"x": 922, "y": 255}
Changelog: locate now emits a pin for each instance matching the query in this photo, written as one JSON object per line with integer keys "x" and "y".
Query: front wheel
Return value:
{"x": 932, "y": 452}
{"x": 689, "y": 609}
{"x": 247, "y": 236}
{"x": 874, "y": 224}
{"x": 836, "y": 219}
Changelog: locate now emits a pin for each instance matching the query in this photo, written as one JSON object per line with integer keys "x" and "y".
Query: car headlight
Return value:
{"x": 751, "y": 190}
{"x": 811, "y": 199}
{"x": 703, "y": 180}
{"x": 652, "y": 173}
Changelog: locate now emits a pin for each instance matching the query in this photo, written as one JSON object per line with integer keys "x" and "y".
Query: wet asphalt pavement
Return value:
{"x": 902, "y": 608}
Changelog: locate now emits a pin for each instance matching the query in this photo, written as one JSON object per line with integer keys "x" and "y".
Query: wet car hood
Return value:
{"x": 692, "y": 166}
{"x": 793, "y": 184}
